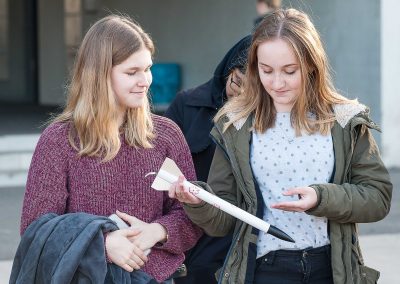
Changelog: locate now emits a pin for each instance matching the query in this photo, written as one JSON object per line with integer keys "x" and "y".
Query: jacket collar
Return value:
{"x": 354, "y": 114}
{"x": 345, "y": 112}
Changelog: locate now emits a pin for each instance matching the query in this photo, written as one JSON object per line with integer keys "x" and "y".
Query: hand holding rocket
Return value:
{"x": 169, "y": 174}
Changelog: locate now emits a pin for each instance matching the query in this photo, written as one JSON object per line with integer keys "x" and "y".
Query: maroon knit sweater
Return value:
{"x": 61, "y": 182}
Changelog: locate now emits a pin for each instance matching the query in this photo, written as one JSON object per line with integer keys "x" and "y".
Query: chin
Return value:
{"x": 136, "y": 104}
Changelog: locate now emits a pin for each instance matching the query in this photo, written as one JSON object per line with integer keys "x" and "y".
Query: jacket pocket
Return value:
{"x": 369, "y": 275}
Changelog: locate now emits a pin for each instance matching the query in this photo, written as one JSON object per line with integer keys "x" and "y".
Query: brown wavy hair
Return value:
{"x": 91, "y": 107}
{"x": 318, "y": 94}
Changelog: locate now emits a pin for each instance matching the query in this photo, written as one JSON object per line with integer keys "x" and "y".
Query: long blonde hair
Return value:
{"x": 91, "y": 107}
{"x": 318, "y": 94}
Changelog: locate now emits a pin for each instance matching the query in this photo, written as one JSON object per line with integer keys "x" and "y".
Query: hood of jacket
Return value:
{"x": 212, "y": 93}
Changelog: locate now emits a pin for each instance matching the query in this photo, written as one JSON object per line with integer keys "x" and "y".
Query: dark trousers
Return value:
{"x": 311, "y": 266}
{"x": 199, "y": 276}
{"x": 205, "y": 259}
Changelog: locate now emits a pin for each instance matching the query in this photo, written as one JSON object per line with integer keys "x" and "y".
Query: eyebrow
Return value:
{"x": 287, "y": 65}
{"x": 138, "y": 68}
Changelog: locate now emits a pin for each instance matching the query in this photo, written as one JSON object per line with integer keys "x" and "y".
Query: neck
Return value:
{"x": 283, "y": 108}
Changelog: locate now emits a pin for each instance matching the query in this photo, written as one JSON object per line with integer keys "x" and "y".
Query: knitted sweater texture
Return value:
{"x": 60, "y": 181}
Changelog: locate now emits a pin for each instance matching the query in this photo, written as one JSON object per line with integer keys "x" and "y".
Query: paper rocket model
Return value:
{"x": 169, "y": 174}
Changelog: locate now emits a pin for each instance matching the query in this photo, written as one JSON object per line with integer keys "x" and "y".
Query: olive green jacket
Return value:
{"x": 360, "y": 193}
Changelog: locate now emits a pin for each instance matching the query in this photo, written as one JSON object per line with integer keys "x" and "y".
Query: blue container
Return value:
{"x": 166, "y": 83}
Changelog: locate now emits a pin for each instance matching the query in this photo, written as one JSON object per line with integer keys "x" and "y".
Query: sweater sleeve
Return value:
{"x": 182, "y": 233}
{"x": 46, "y": 187}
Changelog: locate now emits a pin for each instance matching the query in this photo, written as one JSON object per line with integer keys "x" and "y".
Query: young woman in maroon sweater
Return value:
{"x": 94, "y": 157}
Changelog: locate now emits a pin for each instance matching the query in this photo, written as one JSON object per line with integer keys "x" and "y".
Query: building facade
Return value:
{"x": 39, "y": 38}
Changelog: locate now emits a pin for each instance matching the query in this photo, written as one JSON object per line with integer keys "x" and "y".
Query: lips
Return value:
{"x": 280, "y": 93}
{"x": 139, "y": 93}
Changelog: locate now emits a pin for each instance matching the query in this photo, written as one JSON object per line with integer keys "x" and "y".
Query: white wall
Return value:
{"x": 195, "y": 34}
{"x": 390, "y": 87}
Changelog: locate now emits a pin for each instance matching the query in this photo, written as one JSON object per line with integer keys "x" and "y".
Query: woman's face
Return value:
{"x": 280, "y": 74}
{"x": 131, "y": 79}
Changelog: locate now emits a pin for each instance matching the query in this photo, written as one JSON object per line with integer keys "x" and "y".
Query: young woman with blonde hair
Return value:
{"x": 294, "y": 152}
{"x": 94, "y": 156}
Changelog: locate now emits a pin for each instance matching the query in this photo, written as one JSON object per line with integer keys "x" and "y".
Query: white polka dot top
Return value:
{"x": 280, "y": 160}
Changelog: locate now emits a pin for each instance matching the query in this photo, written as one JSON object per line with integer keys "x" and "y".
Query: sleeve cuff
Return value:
{"x": 108, "y": 260}
{"x": 321, "y": 202}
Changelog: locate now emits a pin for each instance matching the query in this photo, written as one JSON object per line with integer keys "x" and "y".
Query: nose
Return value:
{"x": 145, "y": 80}
{"x": 278, "y": 82}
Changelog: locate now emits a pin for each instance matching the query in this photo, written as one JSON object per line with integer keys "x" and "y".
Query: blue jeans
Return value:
{"x": 311, "y": 266}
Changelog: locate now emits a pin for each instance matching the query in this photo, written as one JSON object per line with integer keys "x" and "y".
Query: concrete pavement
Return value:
{"x": 5, "y": 270}
{"x": 381, "y": 252}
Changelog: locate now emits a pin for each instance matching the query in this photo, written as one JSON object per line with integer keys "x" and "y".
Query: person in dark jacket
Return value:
{"x": 193, "y": 111}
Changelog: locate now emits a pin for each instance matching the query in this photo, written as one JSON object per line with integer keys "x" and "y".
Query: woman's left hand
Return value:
{"x": 307, "y": 199}
{"x": 151, "y": 233}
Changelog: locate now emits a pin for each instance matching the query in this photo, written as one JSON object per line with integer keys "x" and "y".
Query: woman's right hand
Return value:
{"x": 122, "y": 252}
{"x": 179, "y": 191}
